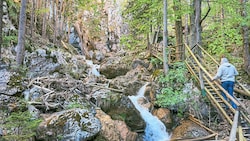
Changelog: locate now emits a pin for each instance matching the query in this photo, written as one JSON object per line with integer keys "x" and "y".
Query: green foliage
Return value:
{"x": 16, "y": 79}
{"x": 142, "y": 16}
{"x": 13, "y": 11}
{"x": 73, "y": 105}
{"x": 41, "y": 11}
{"x": 132, "y": 44}
{"x": 222, "y": 40}
{"x": 21, "y": 125}
{"x": 155, "y": 61}
{"x": 173, "y": 84}
{"x": 9, "y": 40}
{"x": 223, "y": 29}
{"x": 75, "y": 102}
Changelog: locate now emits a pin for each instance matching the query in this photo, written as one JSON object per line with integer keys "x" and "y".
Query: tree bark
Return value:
{"x": 21, "y": 34}
{"x": 192, "y": 26}
{"x": 32, "y": 17}
{"x": 82, "y": 37}
{"x": 1, "y": 26}
{"x": 44, "y": 24}
{"x": 165, "y": 41}
{"x": 196, "y": 36}
{"x": 198, "y": 21}
{"x": 179, "y": 52}
{"x": 245, "y": 33}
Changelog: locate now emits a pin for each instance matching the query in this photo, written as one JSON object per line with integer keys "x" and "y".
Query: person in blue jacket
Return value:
{"x": 226, "y": 73}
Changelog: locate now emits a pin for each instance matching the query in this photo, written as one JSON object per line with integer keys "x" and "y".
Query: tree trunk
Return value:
{"x": 1, "y": 26}
{"x": 179, "y": 52}
{"x": 196, "y": 36}
{"x": 61, "y": 19}
{"x": 186, "y": 30}
{"x": 32, "y": 17}
{"x": 192, "y": 26}
{"x": 245, "y": 33}
{"x": 83, "y": 38}
{"x": 165, "y": 41}
{"x": 21, "y": 34}
{"x": 54, "y": 4}
{"x": 44, "y": 24}
{"x": 198, "y": 21}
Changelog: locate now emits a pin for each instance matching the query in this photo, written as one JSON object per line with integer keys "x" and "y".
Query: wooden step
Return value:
{"x": 246, "y": 135}
{"x": 220, "y": 101}
{"x": 246, "y": 128}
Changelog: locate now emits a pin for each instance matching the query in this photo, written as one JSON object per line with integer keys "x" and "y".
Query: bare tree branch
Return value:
{"x": 209, "y": 9}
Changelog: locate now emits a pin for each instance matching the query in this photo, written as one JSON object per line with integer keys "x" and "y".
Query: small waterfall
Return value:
{"x": 94, "y": 68}
{"x": 155, "y": 129}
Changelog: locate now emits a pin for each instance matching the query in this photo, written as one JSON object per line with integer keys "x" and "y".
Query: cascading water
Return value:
{"x": 94, "y": 68}
{"x": 155, "y": 129}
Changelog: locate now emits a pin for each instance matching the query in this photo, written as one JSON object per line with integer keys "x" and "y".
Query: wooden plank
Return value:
{"x": 232, "y": 136}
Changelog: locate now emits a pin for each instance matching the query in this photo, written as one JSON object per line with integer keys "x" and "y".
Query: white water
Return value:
{"x": 94, "y": 68}
{"x": 155, "y": 129}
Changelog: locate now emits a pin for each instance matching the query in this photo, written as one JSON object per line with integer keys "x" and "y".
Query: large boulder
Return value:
{"x": 188, "y": 130}
{"x": 114, "y": 130}
{"x": 119, "y": 107}
{"x": 74, "y": 124}
{"x": 164, "y": 115}
{"x": 113, "y": 67}
{"x": 10, "y": 82}
{"x": 132, "y": 81}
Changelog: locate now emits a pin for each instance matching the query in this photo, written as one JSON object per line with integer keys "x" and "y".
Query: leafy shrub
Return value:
{"x": 21, "y": 126}
{"x": 9, "y": 40}
{"x": 173, "y": 84}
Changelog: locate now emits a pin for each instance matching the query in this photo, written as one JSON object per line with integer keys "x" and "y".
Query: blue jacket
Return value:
{"x": 226, "y": 71}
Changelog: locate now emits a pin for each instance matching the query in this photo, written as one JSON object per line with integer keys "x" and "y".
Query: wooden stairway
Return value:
{"x": 203, "y": 69}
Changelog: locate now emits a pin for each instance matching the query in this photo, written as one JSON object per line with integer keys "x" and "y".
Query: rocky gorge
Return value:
{"x": 88, "y": 98}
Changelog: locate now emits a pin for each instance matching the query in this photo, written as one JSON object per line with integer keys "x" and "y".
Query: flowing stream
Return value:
{"x": 155, "y": 129}
{"x": 94, "y": 68}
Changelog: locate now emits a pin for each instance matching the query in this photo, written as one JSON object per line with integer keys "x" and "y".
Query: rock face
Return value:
{"x": 114, "y": 67}
{"x": 120, "y": 108}
{"x": 59, "y": 84}
{"x": 165, "y": 116}
{"x": 74, "y": 124}
{"x": 114, "y": 130}
{"x": 187, "y": 130}
{"x": 5, "y": 80}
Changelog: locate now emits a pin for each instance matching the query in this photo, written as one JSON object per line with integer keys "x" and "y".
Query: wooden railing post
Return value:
{"x": 234, "y": 128}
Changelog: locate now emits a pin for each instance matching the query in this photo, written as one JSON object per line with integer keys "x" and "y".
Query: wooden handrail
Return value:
{"x": 208, "y": 54}
{"x": 234, "y": 128}
{"x": 208, "y": 74}
{"x": 247, "y": 92}
{"x": 211, "y": 98}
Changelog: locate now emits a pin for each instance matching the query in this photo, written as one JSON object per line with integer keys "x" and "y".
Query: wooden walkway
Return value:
{"x": 203, "y": 69}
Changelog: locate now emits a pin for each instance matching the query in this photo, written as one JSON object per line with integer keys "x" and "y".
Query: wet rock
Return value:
{"x": 119, "y": 107}
{"x": 114, "y": 130}
{"x": 132, "y": 81}
{"x": 164, "y": 115}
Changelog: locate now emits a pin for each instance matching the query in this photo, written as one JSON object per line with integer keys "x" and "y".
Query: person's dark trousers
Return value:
{"x": 229, "y": 87}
